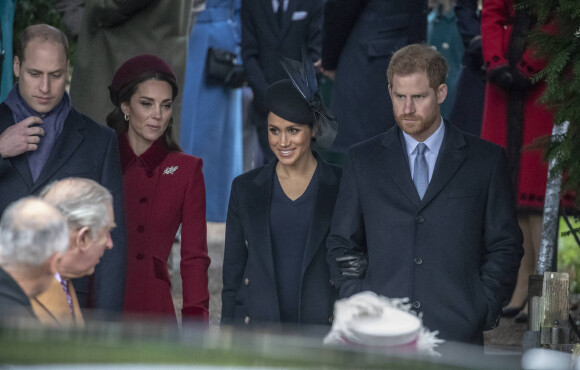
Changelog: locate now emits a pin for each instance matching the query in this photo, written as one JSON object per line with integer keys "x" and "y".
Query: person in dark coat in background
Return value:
{"x": 359, "y": 38}
{"x": 430, "y": 209}
{"x": 467, "y": 111}
{"x": 164, "y": 188}
{"x": 272, "y": 29}
{"x": 275, "y": 267}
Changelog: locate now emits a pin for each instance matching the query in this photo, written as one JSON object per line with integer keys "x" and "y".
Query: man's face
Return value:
{"x": 80, "y": 261}
{"x": 416, "y": 105}
{"x": 42, "y": 74}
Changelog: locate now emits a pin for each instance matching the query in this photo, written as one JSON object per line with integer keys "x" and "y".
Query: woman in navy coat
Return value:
{"x": 279, "y": 216}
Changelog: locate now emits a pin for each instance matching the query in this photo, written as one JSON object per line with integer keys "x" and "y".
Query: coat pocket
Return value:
{"x": 160, "y": 270}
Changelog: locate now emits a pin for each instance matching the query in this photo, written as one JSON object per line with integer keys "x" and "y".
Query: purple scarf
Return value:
{"x": 53, "y": 122}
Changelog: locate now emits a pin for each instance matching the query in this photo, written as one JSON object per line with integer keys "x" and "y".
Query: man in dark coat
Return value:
{"x": 33, "y": 235}
{"x": 43, "y": 138}
{"x": 359, "y": 38}
{"x": 430, "y": 208}
{"x": 272, "y": 29}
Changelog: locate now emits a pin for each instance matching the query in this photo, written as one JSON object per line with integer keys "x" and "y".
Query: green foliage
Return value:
{"x": 569, "y": 253}
{"x": 562, "y": 75}
{"x": 29, "y": 12}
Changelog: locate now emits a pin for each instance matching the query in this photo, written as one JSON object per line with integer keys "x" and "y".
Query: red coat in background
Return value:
{"x": 162, "y": 190}
{"x": 496, "y": 27}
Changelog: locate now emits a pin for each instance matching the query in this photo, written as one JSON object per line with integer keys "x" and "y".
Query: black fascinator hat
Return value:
{"x": 297, "y": 99}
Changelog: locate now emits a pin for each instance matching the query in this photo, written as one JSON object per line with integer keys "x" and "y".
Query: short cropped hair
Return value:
{"x": 44, "y": 32}
{"x": 83, "y": 202}
{"x": 418, "y": 58}
{"x": 31, "y": 231}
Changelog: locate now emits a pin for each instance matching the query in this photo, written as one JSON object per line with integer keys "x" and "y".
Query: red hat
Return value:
{"x": 135, "y": 67}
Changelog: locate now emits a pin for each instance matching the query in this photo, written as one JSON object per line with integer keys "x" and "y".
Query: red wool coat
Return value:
{"x": 162, "y": 190}
{"x": 496, "y": 27}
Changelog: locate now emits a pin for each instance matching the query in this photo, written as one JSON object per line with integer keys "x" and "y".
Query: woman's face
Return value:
{"x": 289, "y": 141}
{"x": 149, "y": 111}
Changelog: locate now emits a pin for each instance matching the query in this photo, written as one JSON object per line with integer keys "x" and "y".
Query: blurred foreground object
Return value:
{"x": 368, "y": 319}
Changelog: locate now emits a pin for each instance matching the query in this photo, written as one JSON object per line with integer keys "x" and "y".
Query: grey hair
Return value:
{"x": 82, "y": 201}
{"x": 29, "y": 234}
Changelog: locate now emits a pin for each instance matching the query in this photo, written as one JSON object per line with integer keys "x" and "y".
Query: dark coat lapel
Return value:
{"x": 271, "y": 17}
{"x": 323, "y": 207}
{"x": 397, "y": 166}
{"x": 65, "y": 146}
{"x": 448, "y": 162}
{"x": 287, "y": 19}
{"x": 20, "y": 163}
{"x": 259, "y": 206}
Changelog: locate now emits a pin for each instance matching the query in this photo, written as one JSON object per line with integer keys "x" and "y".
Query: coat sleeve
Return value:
{"x": 315, "y": 31}
{"x": 467, "y": 20}
{"x": 110, "y": 13}
{"x": 339, "y": 18}
{"x": 251, "y": 55}
{"x": 110, "y": 272}
{"x": 496, "y": 17}
{"x": 235, "y": 257}
{"x": 194, "y": 256}
{"x": 503, "y": 241}
{"x": 347, "y": 230}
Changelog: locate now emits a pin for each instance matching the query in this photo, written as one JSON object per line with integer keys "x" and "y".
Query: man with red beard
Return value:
{"x": 426, "y": 211}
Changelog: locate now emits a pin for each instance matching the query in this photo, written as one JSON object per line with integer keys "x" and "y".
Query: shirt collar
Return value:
{"x": 433, "y": 142}
{"x": 151, "y": 158}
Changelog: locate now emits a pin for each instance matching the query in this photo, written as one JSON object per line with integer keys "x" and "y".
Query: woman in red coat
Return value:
{"x": 511, "y": 101}
{"x": 163, "y": 188}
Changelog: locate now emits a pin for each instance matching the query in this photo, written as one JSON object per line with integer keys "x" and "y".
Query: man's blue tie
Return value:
{"x": 421, "y": 171}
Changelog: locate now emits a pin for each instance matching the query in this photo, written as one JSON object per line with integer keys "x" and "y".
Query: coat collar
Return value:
{"x": 261, "y": 199}
{"x": 151, "y": 159}
{"x": 450, "y": 158}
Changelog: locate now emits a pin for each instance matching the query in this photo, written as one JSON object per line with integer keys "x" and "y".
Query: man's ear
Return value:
{"x": 16, "y": 67}
{"x": 441, "y": 93}
{"x": 53, "y": 261}
{"x": 83, "y": 238}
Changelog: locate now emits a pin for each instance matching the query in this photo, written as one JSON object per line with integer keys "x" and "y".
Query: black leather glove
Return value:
{"x": 473, "y": 55}
{"x": 508, "y": 78}
{"x": 502, "y": 77}
{"x": 353, "y": 264}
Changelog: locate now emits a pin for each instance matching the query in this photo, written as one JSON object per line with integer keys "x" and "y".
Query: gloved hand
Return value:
{"x": 473, "y": 55}
{"x": 502, "y": 77}
{"x": 353, "y": 264}
{"x": 508, "y": 78}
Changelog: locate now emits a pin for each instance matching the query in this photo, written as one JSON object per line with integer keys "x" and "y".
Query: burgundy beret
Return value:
{"x": 135, "y": 67}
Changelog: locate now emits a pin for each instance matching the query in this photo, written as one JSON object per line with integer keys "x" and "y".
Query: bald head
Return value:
{"x": 84, "y": 203}
{"x": 31, "y": 231}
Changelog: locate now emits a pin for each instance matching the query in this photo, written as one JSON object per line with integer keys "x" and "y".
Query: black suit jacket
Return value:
{"x": 249, "y": 281}
{"x": 83, "y": 149}
{"x": 455, "y": 253}
{"x": 264, "y": 42}
{"x": 13, "y": 300}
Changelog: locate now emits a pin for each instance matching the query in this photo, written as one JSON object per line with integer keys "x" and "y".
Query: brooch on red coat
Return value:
{"x": 170, "y": 170}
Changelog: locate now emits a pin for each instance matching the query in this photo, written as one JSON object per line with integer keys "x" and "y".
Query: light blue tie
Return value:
{"x": 421, "y": 171}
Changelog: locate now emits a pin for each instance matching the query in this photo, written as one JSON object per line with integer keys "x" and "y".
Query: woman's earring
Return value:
{"x": 126, "y": 117}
